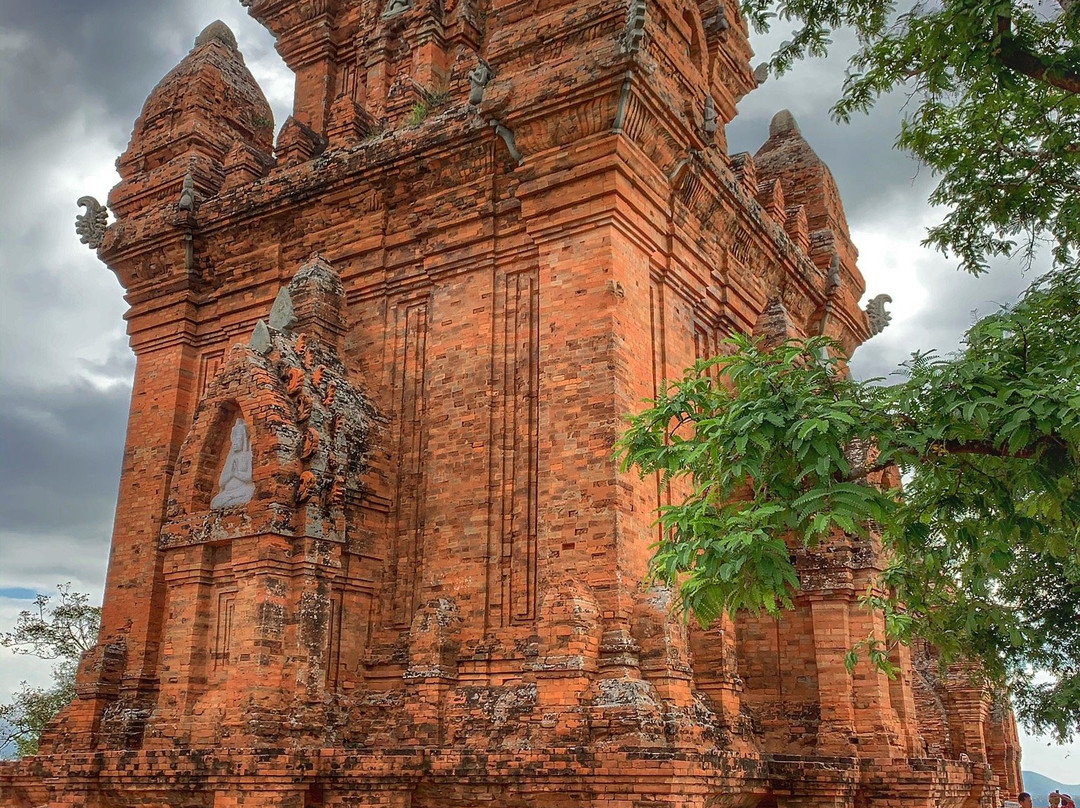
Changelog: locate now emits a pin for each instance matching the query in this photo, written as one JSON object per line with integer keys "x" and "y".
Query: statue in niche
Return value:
{"x": 235, "y": 487}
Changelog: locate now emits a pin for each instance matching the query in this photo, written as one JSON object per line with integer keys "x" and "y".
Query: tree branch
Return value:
{"x": 866, "y": 471}
{"x": 1013, "y": 55}
{"x": 939, "y": 448}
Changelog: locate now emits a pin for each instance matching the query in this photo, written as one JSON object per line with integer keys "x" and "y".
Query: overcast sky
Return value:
{"x": 73, "y": 77}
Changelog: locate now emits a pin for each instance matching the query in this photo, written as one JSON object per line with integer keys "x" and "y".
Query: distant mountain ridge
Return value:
{"x": 1039, "y": 786}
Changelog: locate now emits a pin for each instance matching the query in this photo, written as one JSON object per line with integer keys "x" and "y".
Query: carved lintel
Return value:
{"x": 91, "y": 225}
{"x": 876, "y": 314}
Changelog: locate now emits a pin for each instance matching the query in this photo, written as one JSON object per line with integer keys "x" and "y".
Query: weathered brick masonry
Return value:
{"x": 498, "y": 227}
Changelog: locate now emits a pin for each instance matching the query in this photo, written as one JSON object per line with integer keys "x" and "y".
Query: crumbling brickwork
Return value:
{"x": 371, "y": 546}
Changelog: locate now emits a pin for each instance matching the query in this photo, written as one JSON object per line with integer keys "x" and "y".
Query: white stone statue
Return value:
{"x": 235, "y": 487}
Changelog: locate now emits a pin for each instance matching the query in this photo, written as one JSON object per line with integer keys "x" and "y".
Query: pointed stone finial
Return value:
{"x": 282, "y": 314}
{"x": 783, "y": 123}
{"x": 187, "y": 192}
{"x": 260, "y": 338}
{"x": 217, "y": 31}
{"x": 761, "y": 73}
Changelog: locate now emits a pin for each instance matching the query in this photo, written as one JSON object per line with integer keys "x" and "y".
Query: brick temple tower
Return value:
{"x": 371, "y": 546}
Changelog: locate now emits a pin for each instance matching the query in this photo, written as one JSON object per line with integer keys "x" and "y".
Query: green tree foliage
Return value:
{"x": 781, "y": 447}
{"x": 995, "y": 111}
{"x": 59, "y": 630}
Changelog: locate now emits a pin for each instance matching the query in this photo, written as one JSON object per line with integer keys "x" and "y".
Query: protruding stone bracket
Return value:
{"x": 624, "y": 102}
{"x": 91, "y": 225}
{"x": 834, "y": 274}
{"x": 876, "y": 315}
{"x": 508, "y": 139}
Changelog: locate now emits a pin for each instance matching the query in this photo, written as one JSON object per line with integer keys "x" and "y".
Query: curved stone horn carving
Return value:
{"x": 91, "y": 225}
{"x": 876, "y": 314}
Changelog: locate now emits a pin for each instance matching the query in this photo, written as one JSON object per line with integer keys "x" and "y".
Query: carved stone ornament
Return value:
{"x": 303, "y": 408}
{"x": 876, "y": 314}
{"x": 91, "y": 225}
{"x": 310, "y": 444}
{"x": 305, "y": 487}
{"x": 294, "y": 381}
{"x": 635, "y": 27}
{"x": 834, "y": 273}
{"x": 236, "y": 485}
{"x": 710, "y": 124}
{"x": 187, "y": 193}
{"x": 479, "y": 78}
{"x": 395, "y": 7}
{"x": 720, "y": 21}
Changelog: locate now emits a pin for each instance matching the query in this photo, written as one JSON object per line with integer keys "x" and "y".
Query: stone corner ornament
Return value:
{"x": 876, "y": 314}
{"x": 91, "y": 225}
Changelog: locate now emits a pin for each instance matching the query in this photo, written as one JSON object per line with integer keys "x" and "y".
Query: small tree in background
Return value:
{"x": 59, "y": 629}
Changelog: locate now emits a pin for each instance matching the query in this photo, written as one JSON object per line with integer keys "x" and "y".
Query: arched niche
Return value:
{"x": 246, "y": 387}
